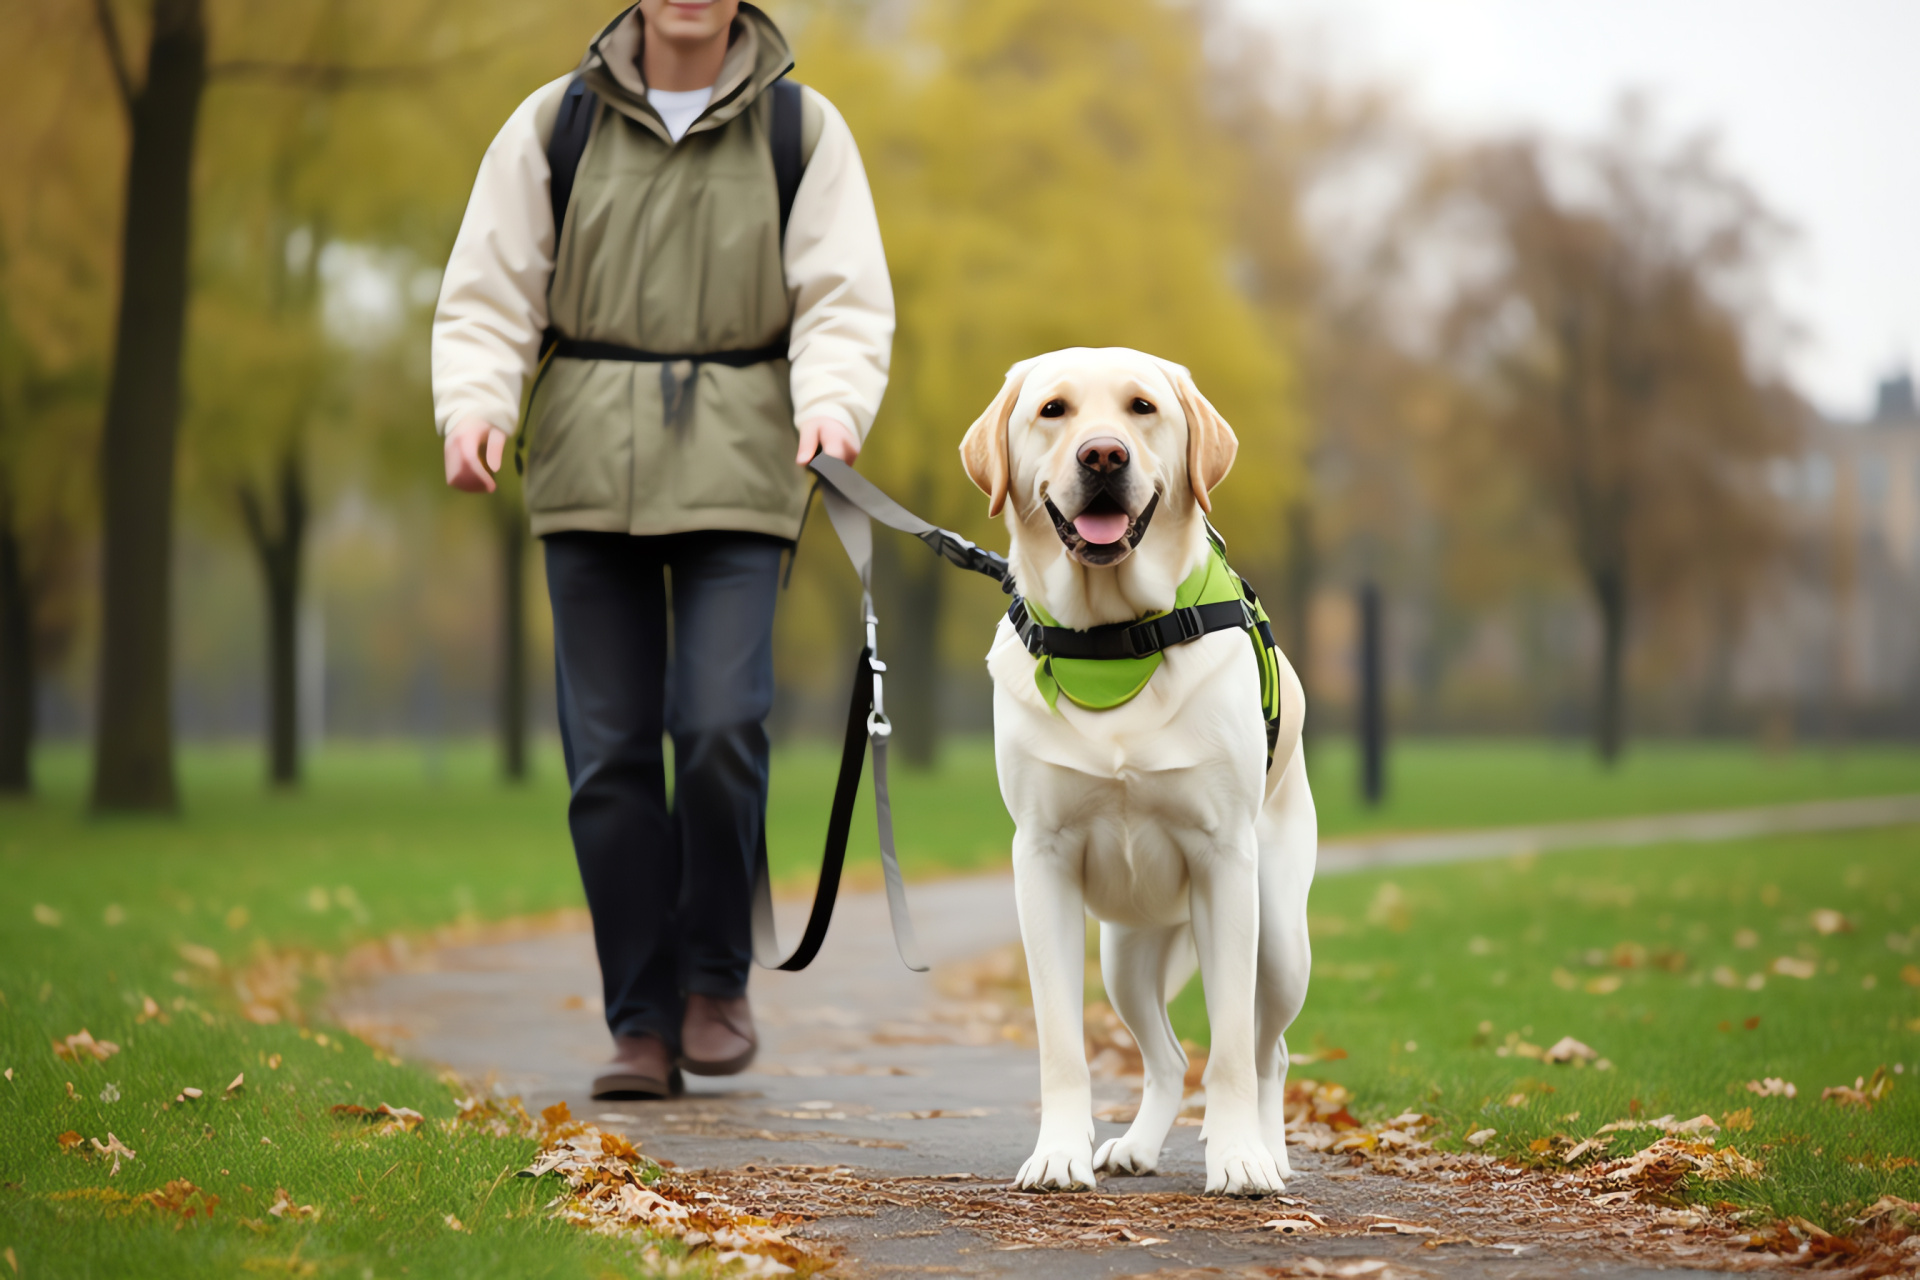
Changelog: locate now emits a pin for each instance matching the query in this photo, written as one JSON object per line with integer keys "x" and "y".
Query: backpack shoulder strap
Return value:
{"x": 784, "y": 138}
{"x": 569, "y": 141}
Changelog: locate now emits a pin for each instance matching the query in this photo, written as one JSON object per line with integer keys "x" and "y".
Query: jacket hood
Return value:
{"x": 757, "y": 55}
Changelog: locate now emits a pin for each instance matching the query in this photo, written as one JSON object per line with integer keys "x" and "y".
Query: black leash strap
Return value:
{"x": 868, "y": 726}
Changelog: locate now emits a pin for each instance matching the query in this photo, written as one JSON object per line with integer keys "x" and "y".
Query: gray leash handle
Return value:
{"x": 855, "y": 531}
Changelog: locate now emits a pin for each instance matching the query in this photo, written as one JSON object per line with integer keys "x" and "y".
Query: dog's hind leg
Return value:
{"x": 1138, "y": 965}
{"x": 1288, "y": 838}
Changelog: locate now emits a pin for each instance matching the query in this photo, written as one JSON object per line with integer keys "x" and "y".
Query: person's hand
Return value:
{"x": 827, "y": 435}
{"x": 467, "y": 469}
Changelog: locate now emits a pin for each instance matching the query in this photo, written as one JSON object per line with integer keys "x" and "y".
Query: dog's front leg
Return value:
{"x": 1053, "y": 927}
{"x": 1226, "y": 932}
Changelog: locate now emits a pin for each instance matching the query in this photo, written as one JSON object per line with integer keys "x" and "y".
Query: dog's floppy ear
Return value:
{"x": 1211, "y": 443}
{"x": 983, "y": 450}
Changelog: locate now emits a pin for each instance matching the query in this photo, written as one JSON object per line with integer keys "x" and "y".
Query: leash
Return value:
{"x": 852, "y": 503}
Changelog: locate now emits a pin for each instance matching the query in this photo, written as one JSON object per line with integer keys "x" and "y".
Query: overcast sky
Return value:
{"x": 1817, "y": 103}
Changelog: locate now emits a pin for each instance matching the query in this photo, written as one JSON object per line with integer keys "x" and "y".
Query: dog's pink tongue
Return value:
{"x": 1102, "y": 528}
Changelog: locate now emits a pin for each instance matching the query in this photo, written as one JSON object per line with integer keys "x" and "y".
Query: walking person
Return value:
{"x": 692, "y": 344}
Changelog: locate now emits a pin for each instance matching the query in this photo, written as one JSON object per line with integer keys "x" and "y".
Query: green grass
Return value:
{"x": 385, "y": 839}
{"x": 1423, "y": 975}
{"x": 93, "y": 915}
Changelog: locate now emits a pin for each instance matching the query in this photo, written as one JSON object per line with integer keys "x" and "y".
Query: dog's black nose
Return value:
{"x": 1103, "y": 454}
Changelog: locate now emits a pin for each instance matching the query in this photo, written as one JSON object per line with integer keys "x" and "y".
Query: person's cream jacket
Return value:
{"x": 667, "y": 248}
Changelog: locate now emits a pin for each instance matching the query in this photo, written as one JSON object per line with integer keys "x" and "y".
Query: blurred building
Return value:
{"x": 1836, "y": 644}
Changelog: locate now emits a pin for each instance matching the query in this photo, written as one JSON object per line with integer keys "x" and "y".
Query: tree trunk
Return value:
{"x": 907, "y": 584}
{"x": 280, "y": 552}
{"x": 133, "y": 736}
{"x": 511, "y": 526}
{"x": 1610, "y": 595}
{"x": 16, "y": 662}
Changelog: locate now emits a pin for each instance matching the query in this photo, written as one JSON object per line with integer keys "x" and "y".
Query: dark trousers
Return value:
{"x": 670, "y": 634}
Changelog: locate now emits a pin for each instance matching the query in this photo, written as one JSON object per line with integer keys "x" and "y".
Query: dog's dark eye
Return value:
{"x": 1143, "y": 407}
{"x": 1054, "y": 409}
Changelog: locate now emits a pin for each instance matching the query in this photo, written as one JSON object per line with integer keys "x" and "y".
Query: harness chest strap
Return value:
{"x": 1105, "y": 667}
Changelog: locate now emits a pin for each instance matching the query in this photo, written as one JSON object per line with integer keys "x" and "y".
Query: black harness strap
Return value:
{"x": 1127, "y": 639}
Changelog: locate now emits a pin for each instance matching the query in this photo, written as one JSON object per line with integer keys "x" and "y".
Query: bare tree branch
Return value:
{"x": 116, "y": 52}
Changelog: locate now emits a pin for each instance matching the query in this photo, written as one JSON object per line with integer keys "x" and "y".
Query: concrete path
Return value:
{"x": 1362, "y": 852}
{"x": 898, "y": 1076}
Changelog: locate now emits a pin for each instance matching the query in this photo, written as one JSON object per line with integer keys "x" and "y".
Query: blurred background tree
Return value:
{"x": 1617, "y": 345}
{"x": 1518, "y": 386}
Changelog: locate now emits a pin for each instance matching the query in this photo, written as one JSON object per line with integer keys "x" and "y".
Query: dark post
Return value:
{"x": 1373, "y": 710}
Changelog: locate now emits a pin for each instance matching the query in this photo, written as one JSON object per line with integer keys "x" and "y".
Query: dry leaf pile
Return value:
{"x": 612, "y": 1189}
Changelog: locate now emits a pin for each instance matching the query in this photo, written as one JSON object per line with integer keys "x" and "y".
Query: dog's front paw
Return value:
{"x": 1242, "y": 1169}
{"x": 1057, "y": 1168}
{"x": 1127, "y": 1155}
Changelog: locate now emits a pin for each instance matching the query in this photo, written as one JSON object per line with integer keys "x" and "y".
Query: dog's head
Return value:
{"x": 1097, "y": 442}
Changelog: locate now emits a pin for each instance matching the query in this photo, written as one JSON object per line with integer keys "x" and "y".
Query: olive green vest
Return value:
{"x": 671, "y": 248}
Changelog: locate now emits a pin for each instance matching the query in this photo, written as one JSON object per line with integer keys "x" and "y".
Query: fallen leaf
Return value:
{"x": 46, "y": 915}
{"x": 1738, "y": 1121}
{"x": 1773, "y": 1087}
{"x": 179, "y": 1197}
{"x": 273, "y": 1063}
{"x": 393, "y": 1119}
{"x": 1398, "y": 1227}
{"x": 69, "y": 1140}
{"x": 1698, "y": 1124}
{"x": 455, "y": 1223}
{"x": 1864, "y": 1093}
{"x": 82, "y": 1047}
{"x": 1478, "y": 1138}
{"x": 284, "y": 1207}
{"x": 1827, "y": 921}
{"x": 1567, "y": 1049}
{"x": 194, "y": 953}
{"x": 556, "y": 1115}
{"x": 115, "y": 1148}
{"x": 239, "y": 1083}
{"x": 188, "y": 1094}
{"x": 1910, "y": 974}
{"x": 1591, "y": 1144}
{"x": 1793, "y": 967}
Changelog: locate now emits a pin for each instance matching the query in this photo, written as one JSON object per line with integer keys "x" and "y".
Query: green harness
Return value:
{"x": 1107, "y": 667}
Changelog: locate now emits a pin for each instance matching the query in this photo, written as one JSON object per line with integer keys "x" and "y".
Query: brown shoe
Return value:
{"x": 642, "y": 1068}
{"x": 716, "y": 1038}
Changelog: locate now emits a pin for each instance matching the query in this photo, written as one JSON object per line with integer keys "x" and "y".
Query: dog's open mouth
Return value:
{"x": 1103, "y": 533}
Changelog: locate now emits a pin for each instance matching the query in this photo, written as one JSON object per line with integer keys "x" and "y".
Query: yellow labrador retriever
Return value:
{"x": 1158, "y": 816}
